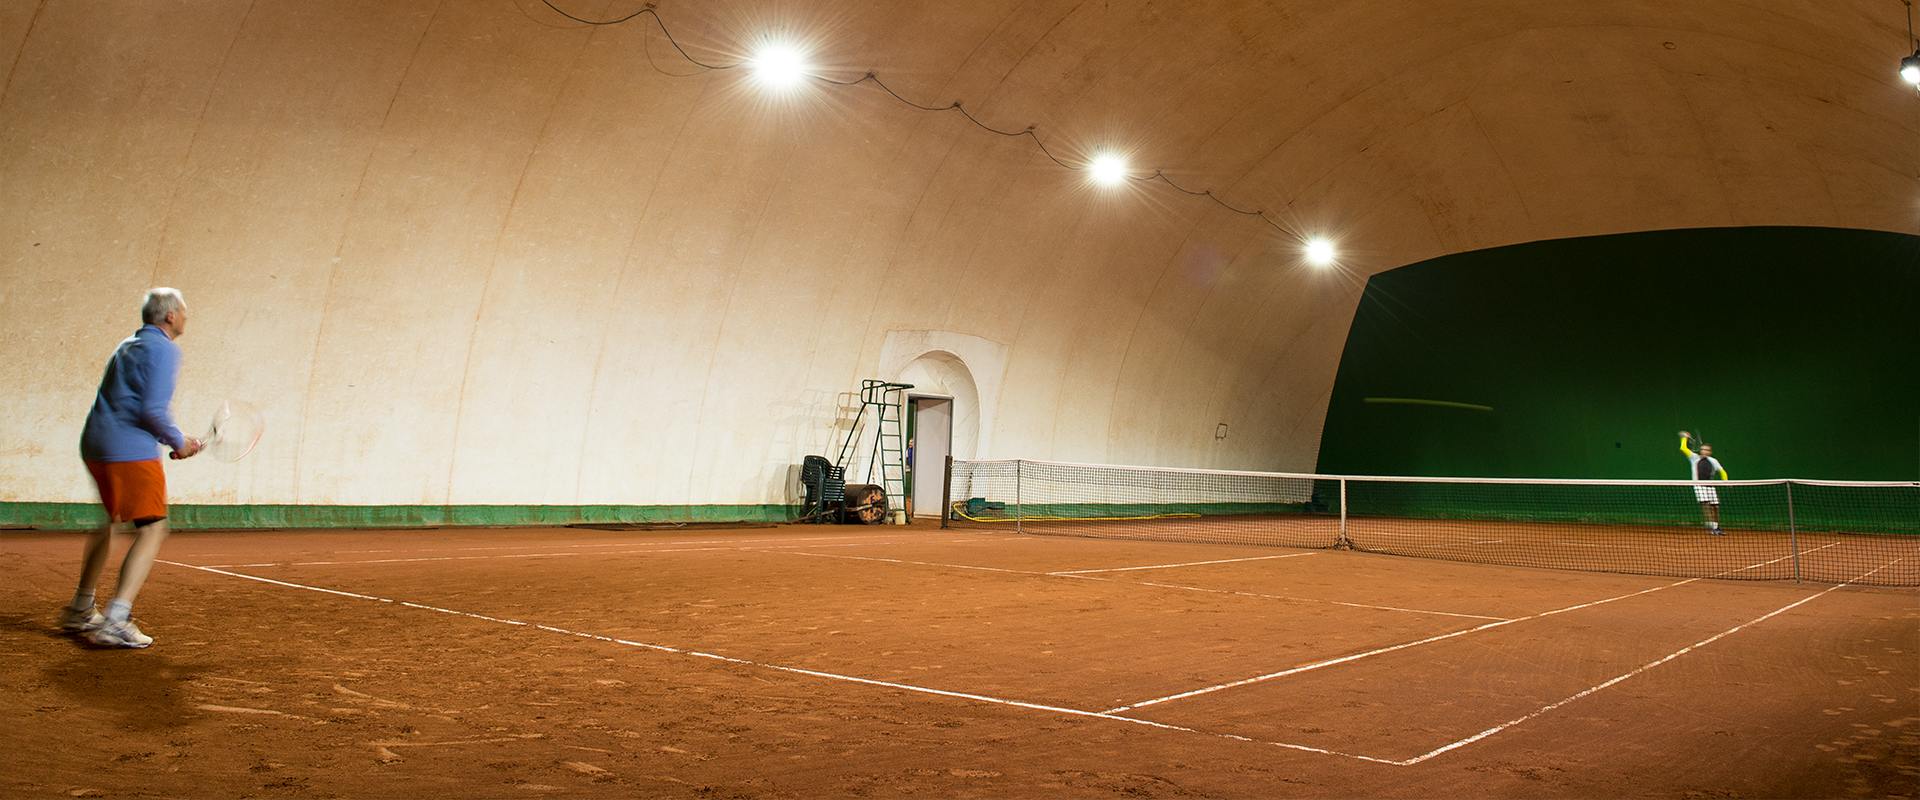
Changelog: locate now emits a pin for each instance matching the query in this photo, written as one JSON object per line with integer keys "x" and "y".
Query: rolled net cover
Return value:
{"x": 1823, "y": 531}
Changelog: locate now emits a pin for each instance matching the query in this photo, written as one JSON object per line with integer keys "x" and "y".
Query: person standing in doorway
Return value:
{"x": 1704, "y": 467}
{"x": 120, "y": 445}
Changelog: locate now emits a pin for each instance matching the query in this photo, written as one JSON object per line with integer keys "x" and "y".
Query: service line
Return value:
{"x": 1429, "y": 640}
{"x": 1083, "y": 575}
{"x": 1317, "y": 600}
{"x": 1171, "y": 566}
{"x": 1643, "y": 668}
{"x": 1381, "y": 651}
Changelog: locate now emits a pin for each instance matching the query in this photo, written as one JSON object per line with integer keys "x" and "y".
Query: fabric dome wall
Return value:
{"x": 479, "y": 253}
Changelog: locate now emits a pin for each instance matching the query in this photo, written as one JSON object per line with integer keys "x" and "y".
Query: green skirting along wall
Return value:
{"x": 78, "y": 516}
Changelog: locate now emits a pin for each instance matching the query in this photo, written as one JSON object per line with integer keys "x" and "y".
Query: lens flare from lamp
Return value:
{"x": 1108, "y": 170}
{"x": 1910, "y": 68}
{"x": 779, "y": 66}
{"x": 1319, "y": 251}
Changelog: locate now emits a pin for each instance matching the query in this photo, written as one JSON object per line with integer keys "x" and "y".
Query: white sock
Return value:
{"x": 119, "y": 611}
{"x": 82, "y": 600}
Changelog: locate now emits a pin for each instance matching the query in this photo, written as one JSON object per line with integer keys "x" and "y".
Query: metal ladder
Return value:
{"x": 889, "y": 441}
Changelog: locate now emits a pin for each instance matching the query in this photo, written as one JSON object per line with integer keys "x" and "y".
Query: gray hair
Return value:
{"x": 161, "y": 301}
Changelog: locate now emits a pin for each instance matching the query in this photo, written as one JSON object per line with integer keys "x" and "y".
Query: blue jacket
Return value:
{"x": 129, "y": 419}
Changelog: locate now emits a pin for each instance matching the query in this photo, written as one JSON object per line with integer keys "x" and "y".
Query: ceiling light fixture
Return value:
{"x": 1108, "y": 170}
{"x": 1319, "y": 251}
{"x": 779, "y": 66}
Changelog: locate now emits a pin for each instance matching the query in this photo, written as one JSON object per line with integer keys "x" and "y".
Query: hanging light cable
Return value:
{"x": 1910, "y": 66}
{"x": 786, "y": 68}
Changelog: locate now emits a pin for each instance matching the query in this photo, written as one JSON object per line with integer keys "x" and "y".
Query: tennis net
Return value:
{"x": 1823, "y": 531}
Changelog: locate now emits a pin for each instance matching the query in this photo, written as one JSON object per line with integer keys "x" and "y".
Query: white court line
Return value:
{"x": 488, "y": 557}
{"x": 1589, "y": 545}
{"x": 870, "y": 544}
{"x": 604, "y": 544}
{"x": 728, "y": 659}
{"x": 1642, "y": 668}
{"x": 1789, "y": 556}
{"x": 631, "y": 544}
{"x": 1170, "y": 566}
{"x": 1635, "y": 548}
{"x": 1402, "y": 646}
{"x": 898, "y": 561}
{"x": 1432, "y": 639}
{"x": 1108, "y": 715}
{"x": 1315, "y": 600}
{"x": 1638, "y": 548}
{"x": 1077, "y": 575}
{"x": 643, "y": 551}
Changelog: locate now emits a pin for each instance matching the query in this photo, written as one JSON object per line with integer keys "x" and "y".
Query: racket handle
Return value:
{"x": 198, "y": 445}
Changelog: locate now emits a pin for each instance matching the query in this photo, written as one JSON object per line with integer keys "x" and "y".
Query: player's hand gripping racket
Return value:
{"x": 237, "y": 426}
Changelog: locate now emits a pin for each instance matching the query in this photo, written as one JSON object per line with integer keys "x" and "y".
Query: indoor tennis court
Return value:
{"x": 1009, "y": 398}
{"x": 911, "y": 661}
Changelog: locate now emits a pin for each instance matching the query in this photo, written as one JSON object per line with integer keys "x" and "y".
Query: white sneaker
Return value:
{"x": 119, "y": 634}
{"x": 75, "y": 620}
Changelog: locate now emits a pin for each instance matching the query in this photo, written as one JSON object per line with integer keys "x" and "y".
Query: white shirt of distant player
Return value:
{"x": 1704, "y": 494}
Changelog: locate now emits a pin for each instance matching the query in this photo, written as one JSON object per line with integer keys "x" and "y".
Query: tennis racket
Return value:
{"x": 236, "y": 428}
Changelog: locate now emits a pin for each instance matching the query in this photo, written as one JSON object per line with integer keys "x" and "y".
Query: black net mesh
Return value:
{"x": 1824, "y": 531}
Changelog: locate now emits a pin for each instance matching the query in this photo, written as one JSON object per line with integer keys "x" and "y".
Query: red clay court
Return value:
{"x": 804, "y": 661}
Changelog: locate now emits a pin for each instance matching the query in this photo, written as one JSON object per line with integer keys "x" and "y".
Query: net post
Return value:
{"x": 1344, "y": 541}
{"x": 1793, "y": 534}
{"x": 1019, "y": 507}
{"x": 946, "y": 494}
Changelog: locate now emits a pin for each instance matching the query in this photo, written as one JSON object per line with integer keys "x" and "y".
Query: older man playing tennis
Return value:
{"x": 120, "y": 445}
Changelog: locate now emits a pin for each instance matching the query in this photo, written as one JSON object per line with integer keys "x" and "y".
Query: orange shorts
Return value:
{"x": 131, "y": 490}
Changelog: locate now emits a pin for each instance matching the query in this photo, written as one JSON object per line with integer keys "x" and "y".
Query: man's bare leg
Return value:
{"x": 79, "y": 615}
{"x": 133, "y": 571}
{"x": 94, "y": 559}
{"x": 117, "y": 628}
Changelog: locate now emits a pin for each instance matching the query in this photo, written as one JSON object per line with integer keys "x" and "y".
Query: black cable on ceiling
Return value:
{"x": 954, "y": 106}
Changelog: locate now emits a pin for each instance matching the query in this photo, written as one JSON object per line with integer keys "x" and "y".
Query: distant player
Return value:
{"x": 120, "y": 445}
{"x": 1705, "y": 468}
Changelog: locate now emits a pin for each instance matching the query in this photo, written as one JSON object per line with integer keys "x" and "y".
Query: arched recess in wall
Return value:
{"x": 943, "y": 373}
{"x": 967, "y": 368}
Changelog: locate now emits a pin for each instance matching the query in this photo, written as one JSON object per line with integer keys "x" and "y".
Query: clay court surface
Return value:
{"x": 819, "y": 661}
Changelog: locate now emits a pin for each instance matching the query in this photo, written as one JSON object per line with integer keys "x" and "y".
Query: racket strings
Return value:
{"x": 236, "y": 428}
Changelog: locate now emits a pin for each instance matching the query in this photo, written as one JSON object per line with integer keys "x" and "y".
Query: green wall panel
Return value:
{"x": 1795, "y": 351}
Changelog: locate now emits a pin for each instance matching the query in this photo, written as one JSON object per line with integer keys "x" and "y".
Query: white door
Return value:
{"x": 932, "y": 441}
